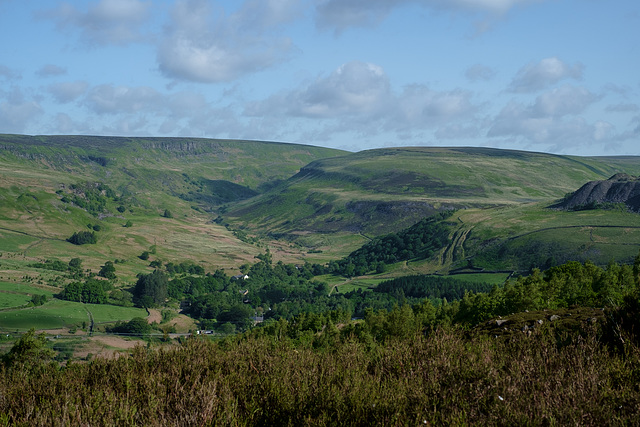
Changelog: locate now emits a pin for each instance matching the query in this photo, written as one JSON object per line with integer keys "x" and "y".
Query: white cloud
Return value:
{"x": 116, "y": 22}
{"x": 537, "y": 76}
{"x": 203, "y": 44}
{"x": 17, "y": 112}
{"x": 357, "y": 97}
{"x": 354, "y": 88}
{"x": 419, "y": 106}
{"x": 563, "y": 101}
{"x": 64, "y": 124}
{"x": 552, "y": 120}
{"x": 67, "y": 91}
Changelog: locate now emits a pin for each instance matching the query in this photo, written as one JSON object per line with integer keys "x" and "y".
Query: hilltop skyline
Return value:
{"x": 556, "y": 76}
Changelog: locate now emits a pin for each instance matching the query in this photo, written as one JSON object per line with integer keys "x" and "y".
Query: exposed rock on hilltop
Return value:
{"x": 620, "y": 188}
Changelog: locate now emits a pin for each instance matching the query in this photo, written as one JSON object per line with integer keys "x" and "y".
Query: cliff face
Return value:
{"x": 620, "y": 188}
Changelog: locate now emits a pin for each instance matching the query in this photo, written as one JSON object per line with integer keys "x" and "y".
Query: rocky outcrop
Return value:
{"x": 620, "y": 188}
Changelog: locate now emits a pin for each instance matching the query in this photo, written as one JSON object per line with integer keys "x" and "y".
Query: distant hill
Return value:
{"x": 384, "y": 190}
{"x": 621, "y": 188}
{"x": 54, "y": 186}
{"x": 229, "y": 199}
{"x": 148, "y": 163}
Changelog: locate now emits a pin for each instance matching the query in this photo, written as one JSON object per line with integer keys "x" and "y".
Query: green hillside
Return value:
{"x": 380, "y": 191}
{"x": 54, "y": 186}
{"x": 219, "y": 203}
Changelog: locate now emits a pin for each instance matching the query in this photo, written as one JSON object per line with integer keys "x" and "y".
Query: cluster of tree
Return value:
{"x": 432, "y": 287}
{"x": 92, "y": 197}
{"x": 83, "y": 238}
{"x": 37, "y": 300}
{"x": 108, "y": 270}
{"x": 616, "y": 287}
{"x": 92, "y": 291}
{"x": 137, "y": 326}
{"x": 151, "y": 289}
{"x": 570, "y": 284}
{"x": 57, "y": 265}
{"x": 184, "y": 268}
{"x": 421, "y": 240}
{"x": 284, "y": 291}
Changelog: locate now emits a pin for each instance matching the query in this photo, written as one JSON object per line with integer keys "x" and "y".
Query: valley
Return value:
{"x": 321, "y": 281}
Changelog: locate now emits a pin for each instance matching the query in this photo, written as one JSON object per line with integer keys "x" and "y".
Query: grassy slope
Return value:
{"x": 153, "y": 172}
{"x": 379, "y": 191}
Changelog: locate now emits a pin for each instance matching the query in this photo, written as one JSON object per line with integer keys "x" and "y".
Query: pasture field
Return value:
{"x": 57, "y": 314}
{"x": 18, "y": 294}
{"x": 366, "y": 284}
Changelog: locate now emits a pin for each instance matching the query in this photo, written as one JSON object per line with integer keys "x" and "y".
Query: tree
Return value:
{"x": 151, "y": 289}
{"x": 38, "y": 299}
{"x": 93, "y": 293}
{"x": 167, "y": 214}
{"x": 107, "y": 271}
{"x": 75, "y": 264}
{"x": 29, "y": 350}
{"x": 72, "y": 292}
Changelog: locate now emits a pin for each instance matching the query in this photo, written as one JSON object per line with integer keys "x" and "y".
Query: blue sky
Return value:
{"x": 560, "y": 76}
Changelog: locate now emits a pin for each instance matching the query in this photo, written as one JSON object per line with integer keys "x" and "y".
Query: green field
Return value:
{"x": 17, "y": 294}
{"x": 57, "y": 314}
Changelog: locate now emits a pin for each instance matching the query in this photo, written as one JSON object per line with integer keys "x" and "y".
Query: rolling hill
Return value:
{"x": 375, "y": 192}
{"x": 53, "y": 186}
{"x": 229, "y": 199}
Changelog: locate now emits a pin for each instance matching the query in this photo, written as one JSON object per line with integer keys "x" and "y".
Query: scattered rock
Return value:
{"x": 554, "y": 317}
{"x": 540, "y": 321}
{"x": 501, "y": 322}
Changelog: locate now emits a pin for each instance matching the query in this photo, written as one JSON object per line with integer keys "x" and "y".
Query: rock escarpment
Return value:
{"x": 619, "y": 189}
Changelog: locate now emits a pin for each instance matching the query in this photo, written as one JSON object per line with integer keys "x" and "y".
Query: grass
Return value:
{"x": 8, "y": 300}
{"x": 355, "y": 284}
{"x": 24, "y": 289}
{"x": 379, "y": 191}
{"x": 17, "y": 294}
{"x": 57, "y": 314}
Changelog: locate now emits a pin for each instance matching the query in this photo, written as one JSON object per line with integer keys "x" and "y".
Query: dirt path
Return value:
{"x": 108, "y": 346}
{"x": 154, "y": 316}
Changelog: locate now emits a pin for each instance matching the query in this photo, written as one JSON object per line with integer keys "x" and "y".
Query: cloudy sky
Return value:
{"x": 560, "y": 76}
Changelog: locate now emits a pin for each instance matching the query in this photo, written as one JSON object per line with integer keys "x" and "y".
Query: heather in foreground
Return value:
{"x": 440, "y": 377}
